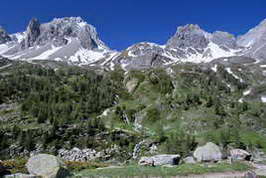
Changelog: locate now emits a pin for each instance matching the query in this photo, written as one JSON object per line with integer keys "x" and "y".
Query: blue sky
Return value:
{"x": 121, "y": 23}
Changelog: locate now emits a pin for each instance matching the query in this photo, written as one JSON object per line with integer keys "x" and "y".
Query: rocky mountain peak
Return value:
{"x": 189, "y": 36}
{"x": 255, "y": 41}
{"x": 32, "y": 33}
{"x": 60, "y": 31}
{"x": 253, "y": 35}
{"x": 224, "y": 39}
{"x": 4, "y": 37}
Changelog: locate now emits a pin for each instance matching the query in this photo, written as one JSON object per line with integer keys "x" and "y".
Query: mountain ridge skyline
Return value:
{"x": 130, "y": 22}
{"x": 236, "y": 35}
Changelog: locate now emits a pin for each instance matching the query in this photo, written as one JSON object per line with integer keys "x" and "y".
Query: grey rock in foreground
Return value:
{"x": 19, "y": 175}
{"x": 47, "y": 166}
{"x": 208, "y": 153}
{"x": 239, "y": 154}
{"x": 160, "y": 160}
{"x": 189, "y": 160}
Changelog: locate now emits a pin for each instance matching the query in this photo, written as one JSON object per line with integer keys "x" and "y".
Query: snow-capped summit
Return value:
{"x": 68, "y": 39}
{"x": 189, "y": 44}
{"x": 74, "y": 41}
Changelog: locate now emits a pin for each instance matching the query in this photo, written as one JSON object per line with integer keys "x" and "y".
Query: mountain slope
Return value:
{"x": 255, "y": 41}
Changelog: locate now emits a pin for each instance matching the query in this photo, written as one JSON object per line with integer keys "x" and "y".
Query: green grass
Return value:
{"x": 185, "y": 169}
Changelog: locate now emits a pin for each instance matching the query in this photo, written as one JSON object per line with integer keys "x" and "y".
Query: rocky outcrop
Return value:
{"x": 32, "y": 33}
{"x": 189, "y": 36}
{"x": 250, "y": 174}
{"x": 68, "y": 39}
{"x": 254, "y": 41}
{"x": 77, "y": 154}
{"x": 47, "y": 166}
{"x": 131, "y": 85}
{"x": 224, "y": 39}
{"x": 240, "y": 155}
{"x": 208, "y": 153}
{"x": 59, "y": 31}
{"x": 189, "y": 160}
{"x": 160, "y": 160}
{"x": 4, "y": 37}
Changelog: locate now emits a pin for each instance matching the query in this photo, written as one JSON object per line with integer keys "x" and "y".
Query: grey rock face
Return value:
{"x": 59, "y": 31}
{"x": 68, "y": 39}
{"x": 250, "y": 174}
{"x": 77, "y": 154}
{"x": 4, "y": 37}
{"x": 32, "y": 34}
{"x": 239, "y": 154}
{"x": 160, "y": 160}
{"x": 189, "y": 36}
{"x": 48, "y": 166}
{"x": 208, "y": 152}
{"x": 224, "y": 39}
{"x": 255, "y": 41}
{"x": 189, "y": 160}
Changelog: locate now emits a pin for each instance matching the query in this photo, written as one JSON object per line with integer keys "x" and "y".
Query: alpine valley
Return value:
{"x": 64, "y": 92}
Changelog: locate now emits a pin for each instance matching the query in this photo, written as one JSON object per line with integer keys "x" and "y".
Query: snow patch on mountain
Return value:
{"x": 228, "y": 69}
{"x": 263, "y": 99}
{"x": 47, "y": 54}
{"x": 4, "y": 48}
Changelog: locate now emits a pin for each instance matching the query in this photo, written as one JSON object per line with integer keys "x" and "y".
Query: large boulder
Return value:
{"x": 239, "y": 154}
{"x": 208, "y": 153}
{"x": 146, "y": 161}
{"x": 160, "y": 160}
{"x": 189, "y": 160}
{"x": 131, "y": 85}
{"x": 47, "y": 166}
{"x": 250, "y": 174}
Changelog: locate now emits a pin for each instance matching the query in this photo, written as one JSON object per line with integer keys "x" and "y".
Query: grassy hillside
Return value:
{"x": 52, "y": 106}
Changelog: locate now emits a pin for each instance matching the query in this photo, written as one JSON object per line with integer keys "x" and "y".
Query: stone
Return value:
{"x": 146, "y": 161}
{"x": 239, "y": 154}
{"x": 160, "y": 160}
{"x": 189, "y": 160}
{"x": 76, "y": 154}
{"x": 19, "y": 175}
{"x": 250, "y": 174}
{"x": 131, "y": 85}
{"x": 47, "y": 166}
{"x": 208, "y": 153}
